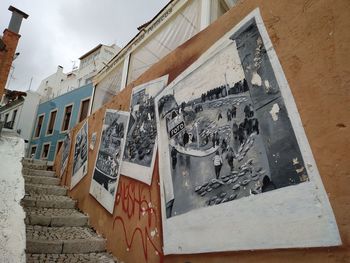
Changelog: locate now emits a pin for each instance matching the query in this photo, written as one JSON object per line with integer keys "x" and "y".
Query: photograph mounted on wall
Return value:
{"x": 65, "y": 153}
{"x": 106, "y": 173}
{"x": 141, "y": 139}
{"x": 232, "y": 150}
{"x": 80, "y": 161}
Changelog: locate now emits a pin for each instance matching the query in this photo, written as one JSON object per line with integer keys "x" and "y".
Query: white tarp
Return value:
{"x": 108, "y": 87}
{"x": 176, "y": 31}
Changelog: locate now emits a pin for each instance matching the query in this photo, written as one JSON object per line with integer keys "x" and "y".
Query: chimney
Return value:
{"x": 8, "y": 45}
{"x": 59, "y": 69}
{"x": 16, "y": 19}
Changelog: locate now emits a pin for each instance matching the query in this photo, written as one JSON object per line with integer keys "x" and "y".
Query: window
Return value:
{"x": 10, "y": 124}
{"x": 84, "y": 109}
{"x": 51, "y": 122}
{"x": 66, "y": 117}
{"x": 58, "y": 147}
{"x": 38, "y": 126}
{"x": 6, "y": 117}
{"x": 45, "y": 152}
{"x": 32, "y": 152}
{"x": 14, "y": 115}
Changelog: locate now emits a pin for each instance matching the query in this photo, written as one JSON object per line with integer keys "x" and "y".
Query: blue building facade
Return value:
{"x": 55, "y": 118}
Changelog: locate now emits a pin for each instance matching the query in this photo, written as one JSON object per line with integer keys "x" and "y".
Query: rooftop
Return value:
{"x": 91, "y": 51}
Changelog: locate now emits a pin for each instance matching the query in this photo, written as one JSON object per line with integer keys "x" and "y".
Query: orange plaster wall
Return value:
{"x": 6, "y": 57}
{"x": 312, "y": 42}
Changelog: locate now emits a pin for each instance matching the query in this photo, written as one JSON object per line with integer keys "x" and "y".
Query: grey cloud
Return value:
{"x": 59, "y": 31}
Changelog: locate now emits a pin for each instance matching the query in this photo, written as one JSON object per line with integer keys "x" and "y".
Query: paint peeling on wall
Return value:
{"x": 274, "y": 112}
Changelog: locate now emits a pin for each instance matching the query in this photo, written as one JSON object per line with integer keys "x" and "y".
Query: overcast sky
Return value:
{"x": 58, "y": 32}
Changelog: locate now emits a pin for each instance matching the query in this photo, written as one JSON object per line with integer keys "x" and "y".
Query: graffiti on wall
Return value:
{"x": 228, "y": 147}
{"x": 80, "y": 161}
{"x": 136, "y": 203}
{"x": 108, "y": 160}
{"x": 141, "y": 141}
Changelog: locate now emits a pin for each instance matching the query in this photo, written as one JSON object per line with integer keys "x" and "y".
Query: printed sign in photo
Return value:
{"x": 80, "y": 161}
{"x": 106, "y": 174}
{"x": 141, "y": 140}
{"x": 65, "y": 153}
{"x": 234, "y": 160}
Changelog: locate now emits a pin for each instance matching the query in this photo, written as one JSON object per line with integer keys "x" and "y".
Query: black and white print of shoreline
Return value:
{"x": 65, "y": 153}
{"x": 141, "y": 141}
{"x": 107, "y": 166}
{"x": 230, "y": 139}
{"x": 80, "y": 161}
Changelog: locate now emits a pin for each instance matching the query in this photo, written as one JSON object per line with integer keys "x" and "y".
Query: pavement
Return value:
{"x": 55, "y": 230}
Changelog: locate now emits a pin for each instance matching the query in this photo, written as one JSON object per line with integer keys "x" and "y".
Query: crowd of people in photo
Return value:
{"x": 215, "y": 93}
{"x": 224, "y": 144}
{"x": 240, "y": 131}
{"x": 107, "y": 164}
{"x": 225, "y": 140}
{"x": 110, "y": 148}
{"x": 224, "y": 90}
{"x": 141, "y": 141}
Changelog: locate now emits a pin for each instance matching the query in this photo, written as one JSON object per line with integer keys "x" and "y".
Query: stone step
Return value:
{"x": 55, "y": 217}
{"x": 37, "y": 161}
{"x": 41, "y": 167}
{"x": 70, "y": 258}
{"x": 37, "y": 172}
{"x": 41, "y": 180}
{"x": 65, "y": 240}
{"x": 48, "y": 201}
{"x": 45, "y": 189}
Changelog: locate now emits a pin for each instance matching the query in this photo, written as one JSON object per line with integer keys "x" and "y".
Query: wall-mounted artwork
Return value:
{"x": 80, "y": 161}
{"x": 235, "y": 165}
{"x": 106, "y": 174}
{"x": 141, "y": 140}
{"x": 65, "y": 153}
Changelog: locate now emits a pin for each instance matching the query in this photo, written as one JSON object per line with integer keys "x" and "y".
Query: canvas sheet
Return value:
{"x": 80, "y": 161}
{"x": 141, "y": 140}
{"x": 235, "y": 165}
{"x": 65, "y": 153}
{"x": 106, "y": 173}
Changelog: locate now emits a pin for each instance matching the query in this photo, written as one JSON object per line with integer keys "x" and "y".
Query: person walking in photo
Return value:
{"x": 229, "y": 115}
{"x": 234, "y": 111}
{"x": 217, "y": 164}
{"x": 230, "y": 157}
{"x": 186, "y": 139}
{"x": 219, "y": 115}
{"x": 173, "y": 157}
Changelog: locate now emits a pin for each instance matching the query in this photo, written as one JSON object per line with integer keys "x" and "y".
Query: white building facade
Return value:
{"x": 19, "y": 114}
{"x": 90, "y": 63}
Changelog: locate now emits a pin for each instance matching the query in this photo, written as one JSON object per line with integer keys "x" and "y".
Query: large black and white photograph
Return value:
{"x": 65, "y": 153}
{"x": 226, "y": 141}
{"x": 106, "y": 173}
{"x": 141, "y": 139}
{"x": 80, "y": 161}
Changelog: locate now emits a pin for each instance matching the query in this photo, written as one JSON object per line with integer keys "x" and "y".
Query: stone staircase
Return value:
{"x": 56, "y": 231}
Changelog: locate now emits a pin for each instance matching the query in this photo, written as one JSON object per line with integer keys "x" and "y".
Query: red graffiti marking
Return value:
{"x": 136, "y": 201}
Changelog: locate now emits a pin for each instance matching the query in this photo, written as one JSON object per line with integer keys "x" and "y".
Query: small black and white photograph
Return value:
{"x": 65, "y": 153}
{"x": 225, "y": 131}
{"x": 80, "y": 155}
{"x": 141, "y": 140}
{"x": 108, "y": 161}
